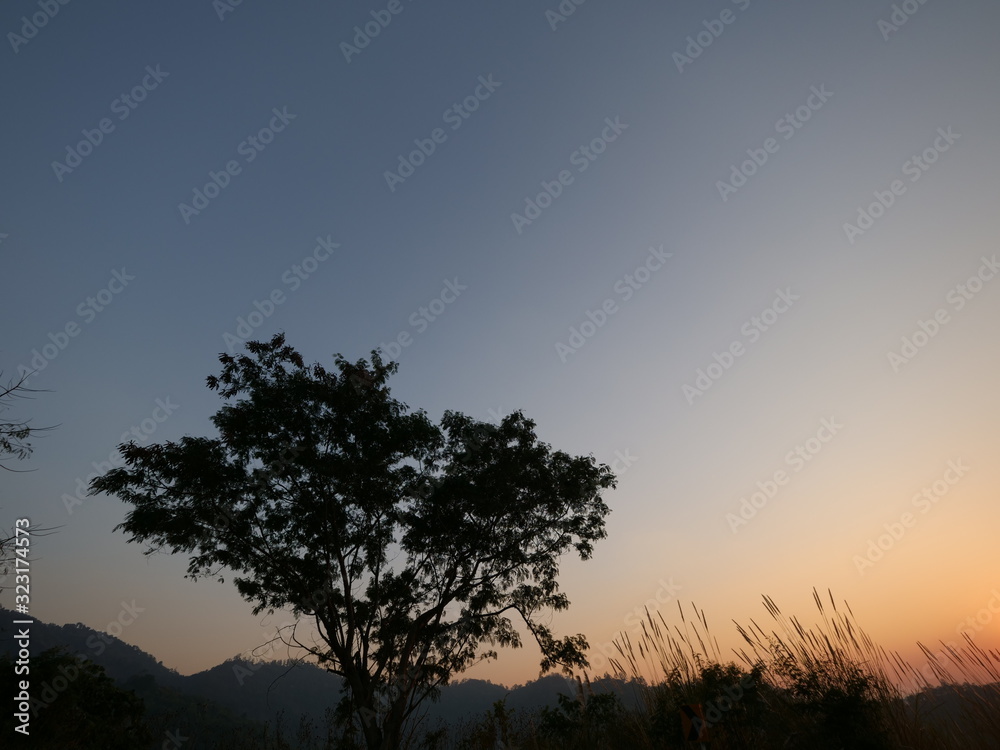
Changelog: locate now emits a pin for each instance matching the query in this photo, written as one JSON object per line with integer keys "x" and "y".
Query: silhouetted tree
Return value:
{"x": 410, "y": 544}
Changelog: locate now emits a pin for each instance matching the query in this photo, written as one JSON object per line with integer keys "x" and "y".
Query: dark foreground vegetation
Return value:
{"x": 791, "y": 687}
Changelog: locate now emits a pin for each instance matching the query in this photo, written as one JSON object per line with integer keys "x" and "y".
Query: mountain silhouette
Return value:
{"x": 268, "y": 692}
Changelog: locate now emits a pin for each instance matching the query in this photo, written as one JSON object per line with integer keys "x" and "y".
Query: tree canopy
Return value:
{"x": 414, "y": 547}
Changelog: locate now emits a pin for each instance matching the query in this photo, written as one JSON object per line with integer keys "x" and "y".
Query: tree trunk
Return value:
{"x": 363, "y": 702}
{"x": 371, "y": 729}
{"x": 391, "y": 732}
{"x": 392, "y": 725}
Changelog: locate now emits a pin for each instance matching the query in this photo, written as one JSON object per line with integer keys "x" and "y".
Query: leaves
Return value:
{"x": 411, "y": 544}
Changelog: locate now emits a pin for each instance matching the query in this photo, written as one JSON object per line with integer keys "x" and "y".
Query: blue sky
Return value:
{"x": 809, "y": 111}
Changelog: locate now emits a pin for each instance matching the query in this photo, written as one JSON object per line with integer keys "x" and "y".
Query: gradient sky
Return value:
{"x": 848, "y": 103}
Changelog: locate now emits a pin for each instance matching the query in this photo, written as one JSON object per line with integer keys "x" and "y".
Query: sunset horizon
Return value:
{"x": 733, "y": 264}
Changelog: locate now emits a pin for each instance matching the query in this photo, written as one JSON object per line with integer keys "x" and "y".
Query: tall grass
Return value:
{"x": 791, "y": 686}
{"x": 823, "y": 687}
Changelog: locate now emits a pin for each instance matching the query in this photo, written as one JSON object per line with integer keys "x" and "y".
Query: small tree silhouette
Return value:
{"x": 14, "y": 435}
{"x": 14, "y": 444}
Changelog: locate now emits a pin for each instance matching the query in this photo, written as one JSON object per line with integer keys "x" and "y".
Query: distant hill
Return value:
{"x": 954, "y": 703}
{"x": 261, "y": 692}
{"x": 120, "y": 660}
